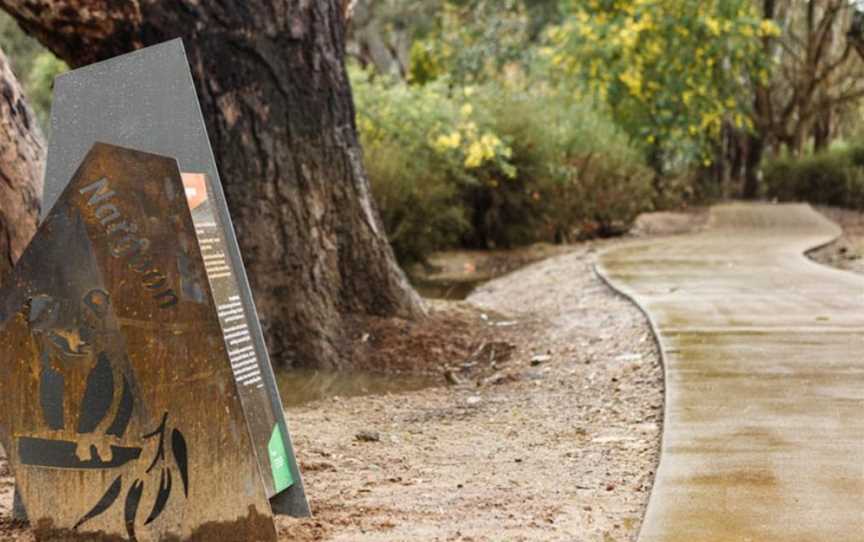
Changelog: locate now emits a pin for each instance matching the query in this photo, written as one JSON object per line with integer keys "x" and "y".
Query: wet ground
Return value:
{"x": 446, "y": 289}
{"x": 300, "y": 386}
{"x": 763, "y": 439}
{"x": 450, "y": 275}
{"x": 455, "y": 274}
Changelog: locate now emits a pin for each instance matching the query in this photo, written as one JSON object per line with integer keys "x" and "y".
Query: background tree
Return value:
{"x": 671, "y": 71}
{"x": 817, "y": 75}
{"x": 473, "y": 41}
{"x": 478, "y": 147}
{"x": 382, "y": 32}
{"x": 22, "y": 162}
{"x": 464, "y": 39}
{"x": 856, "y": 28}
{"x": 278, "y": 107}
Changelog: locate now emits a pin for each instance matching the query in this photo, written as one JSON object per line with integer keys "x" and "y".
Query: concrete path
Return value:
{"x": 764, "y": 352}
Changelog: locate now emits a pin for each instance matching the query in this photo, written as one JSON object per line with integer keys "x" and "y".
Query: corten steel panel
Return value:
{"x": 146, "y": 100}
{"x": 119, "y": 413}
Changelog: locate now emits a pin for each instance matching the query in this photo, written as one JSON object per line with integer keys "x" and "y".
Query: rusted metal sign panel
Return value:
{"x": 146, "y": 100}
{"x": 119, "y": 412}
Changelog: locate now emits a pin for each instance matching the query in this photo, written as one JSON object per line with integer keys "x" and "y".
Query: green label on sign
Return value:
{"x": 279, "y": 461}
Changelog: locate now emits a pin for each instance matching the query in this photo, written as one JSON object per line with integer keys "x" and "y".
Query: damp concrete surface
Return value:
{"x": 763, "y": 437}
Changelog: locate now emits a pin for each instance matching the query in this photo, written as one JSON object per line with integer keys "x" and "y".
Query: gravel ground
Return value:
{"x": 560, "y": 444}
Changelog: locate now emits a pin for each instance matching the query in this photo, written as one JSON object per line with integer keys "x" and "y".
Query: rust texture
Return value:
{"x": 119, "y": 410}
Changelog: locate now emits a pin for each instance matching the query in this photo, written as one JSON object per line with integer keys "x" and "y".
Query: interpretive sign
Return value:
{"x": 146, "y": 100}
{"x": 120, "y": 414}
{"x": 244, "y": 353}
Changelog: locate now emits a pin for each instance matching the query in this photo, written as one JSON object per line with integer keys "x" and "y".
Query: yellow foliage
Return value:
{"x": 655, "y": 63}
{"x": 769, "y": 28}
{"x": 713, "y": 25}
{"x": 448, "y": 142}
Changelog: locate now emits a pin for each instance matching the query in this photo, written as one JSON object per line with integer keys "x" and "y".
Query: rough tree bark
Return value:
{"x": 272, "y": 83}
{"x": 22, "y": 162}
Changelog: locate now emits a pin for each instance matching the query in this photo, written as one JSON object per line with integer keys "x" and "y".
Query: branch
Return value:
{"x": 79, "y": 31}
{"x": 845, "y": 98}
{"x": 823, "y": 34}
{"x": 831, "y": 67}
{"x": 788, "y": 49}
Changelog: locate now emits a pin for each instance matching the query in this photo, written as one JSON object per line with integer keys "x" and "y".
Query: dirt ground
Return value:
{"x": 548, "y": 430}
{"x": 848, "y": 252}
{"x": 560, "y": 444}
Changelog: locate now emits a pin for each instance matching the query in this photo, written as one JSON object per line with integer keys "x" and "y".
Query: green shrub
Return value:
{"x": 580, "y": 175}
{"x": 34, "y": 66}
{"x": 40, "y": 84}
{"x": 419, "y": 209}
{"x": 834, "y": 177}
{"x": 493, "y": 165}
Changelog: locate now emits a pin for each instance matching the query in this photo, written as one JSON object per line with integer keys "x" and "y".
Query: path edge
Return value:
{"x": 601, "y": 274}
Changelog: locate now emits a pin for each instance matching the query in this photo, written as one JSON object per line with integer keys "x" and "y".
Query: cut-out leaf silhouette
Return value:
{"x": 133, "y": 499}
{"x": 161, "y": 497}
{"x": 178, "y": 448}
{"x": 160, "y": 449}
{"x": 104, "y": 503}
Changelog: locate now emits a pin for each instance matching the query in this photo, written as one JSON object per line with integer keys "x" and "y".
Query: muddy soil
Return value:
{"x": 545, "y": 424}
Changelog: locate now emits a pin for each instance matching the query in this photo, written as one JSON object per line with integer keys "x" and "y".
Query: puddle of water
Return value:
{"x": 445, "y": 289}
{"x": 301, "y": 386}
{"x": 455, "y": 274}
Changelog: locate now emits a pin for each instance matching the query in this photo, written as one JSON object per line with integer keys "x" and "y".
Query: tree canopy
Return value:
{"x": 671, "y": 71}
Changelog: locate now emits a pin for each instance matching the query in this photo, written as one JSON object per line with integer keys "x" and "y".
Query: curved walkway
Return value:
{"x": 764, "y": 355}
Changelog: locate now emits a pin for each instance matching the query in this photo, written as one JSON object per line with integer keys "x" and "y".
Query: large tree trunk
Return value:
{"x": 277, "y": 100}
{"x": 22, "y": 162}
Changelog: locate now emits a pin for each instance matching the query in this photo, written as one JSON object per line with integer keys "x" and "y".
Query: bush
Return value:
{"x": 419, "y": 209}
{"x": 492, "y": 165}
{"x": 40, "y": 84}
{"x": 581, "y": 176}
{"x": 834, "y": 177}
